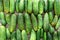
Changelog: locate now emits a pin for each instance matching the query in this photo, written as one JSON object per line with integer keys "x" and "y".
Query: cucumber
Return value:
{"x": 55, "y": 20}
{"x": 51, "y": 29}
{"x": 2, "y": 32}
{"x": 45, "y": 37}
{"x": 46, "y": 22}
{"x": 55, "y": 36}
{"x": 56, "y": 7}
{"x": 6, "y": 6}
{"x": 40, "y": 21}
{"x": 33, "y": 35}
{"x": 12, "y": 6}
{"x": 17, "y": 5}
{"x": 13, "y": 36}
{"x": 46, "y": 5}
{"x": 50, "y": 17}
{"x": 29, "y": 7}
{"x": 58, "y": 31}
{"x": 21, "y": 5}
{"x": 8, "y": 18}
{"x": 41, "y": 6}
{"x": 38, "y": 34}
{"x": 41, "y": 33}
{"x": 20, "y": 21}
{"x": 18, "y": 34}
{"x": 35, "y": 7}
{"x": 26, "y": 4}
{"x": 2, "y": 18}
{"x": 34, "y": 22}
{"x": 58, "y": 24}
{"x": 24, "y": 35}
{"x": 1, "y": 5}
{"x": 7, "y": 33}
{"x": 50, "y": 5}
{"x": 12, "y": 23}
{"x": 49, "y": 36}
{"x": 27, "y": 23}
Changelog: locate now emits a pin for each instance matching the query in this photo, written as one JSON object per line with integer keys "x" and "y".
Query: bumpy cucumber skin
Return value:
{"x": 12, "y": 23}
{"x": 6, "y": 6}
{"x": 33, "y": 35}
{"x": 55, "y": 20}
{"x": 35, "y": 7}
{"x": 21, "y": 5}
{"x": 13, "y": 36}
{"x": 55, "y": 37}
{"x": 2, "y": 18}
{"x": 45, "y": 37}
{"x": 17, "y": 5}
{"x": 2, "y": 32}
{"x": 1, "y": 5}
{"x": 40, "y": 23}
{"x": 41, "y": 33}
{"x": 58, "y": 24}
{"x": 12, "y": 4}
{"x": 26, "y": 4}
{"x": 29, "y": 8}
{"x": 20, "y": 21}
{"x": 56, "y": 7}
{"x": 28, "y": 23}
{"x": 7, "y": 33}
{"x": 41, "y": 6}
{"x": 38, "y": 34}
{"x": 34, "y": 22}
{"x": 50, "y": 17}
{"x": 18, "y": 34}
{"x": 46, "y": 22}
{"x": 24, "y": 35}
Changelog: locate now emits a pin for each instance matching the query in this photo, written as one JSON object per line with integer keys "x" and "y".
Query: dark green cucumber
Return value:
{"x": 58, "y": 33}
{"x": 45, "y": 5}
{"x": 7, "y": 17}
{"x": 13, "y": 36}
{"x": 50, "y": 5}
{"x": 7, "y": 33}
{"x": 51, "y": 29}
{"x": 27, "y": 23}
{"x": 58, "y": 24}
{"x": 12, "y": 23}
{"x": 41, "y": 33}
{"x": 35, "y": 7}
{"x": 46, "y": 22}
{"x": 29, "y": 7}
{"x": 21, "y": 5}
{"x": 18, "y": 34}
{"x": 55, "y": 20}
{"x": 34, "y": 22}
{"x": 38, "y": 34}
{"x": 17, "y": 5}
{"x": 20, "y": 21}
{"x": 55, "y": 36}
{"x": 41, "y": 6}
{"x": 12, "y": 6}
{"x": 2, "y": 18}
{"x": 33, "y": 35}
{"x": 49, "y": 36}
{"x": 40, "y": 23}
{"x": 50, "y": 17}
{"x": 1, "y": 5}
{"x": 6, "y": 6}
{"x": 2, "y": 32}
{"x": 26, "y": 4}
{"x": 24, "y": 35}
{"x": 56, "y": 7}
{"x": 45, "y": 37}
